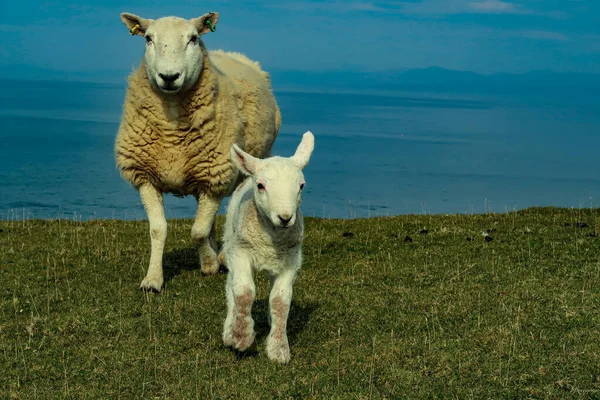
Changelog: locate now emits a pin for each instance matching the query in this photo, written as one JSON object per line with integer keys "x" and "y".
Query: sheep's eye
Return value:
{"x": 301, "y": 186}
{"x": 260, "y": 186}
{"x": 194, "y": 39}
{"x": 148, "y": 39}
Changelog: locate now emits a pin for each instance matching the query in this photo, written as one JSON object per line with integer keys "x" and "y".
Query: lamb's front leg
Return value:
{"x": 153, "y": 204}
{"x": 203, "y": 233}
{"x": 278, "y": 348}
{"x": 230, "y": 319}
{"x": 238, "y": 330}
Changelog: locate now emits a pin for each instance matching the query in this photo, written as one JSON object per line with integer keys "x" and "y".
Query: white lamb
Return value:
{"x": 264, "y": 231}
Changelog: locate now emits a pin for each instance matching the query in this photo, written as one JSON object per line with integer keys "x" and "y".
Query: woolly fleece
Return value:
{"x": 180, "y": 144}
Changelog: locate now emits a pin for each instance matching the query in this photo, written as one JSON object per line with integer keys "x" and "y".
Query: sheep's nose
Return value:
{"x": 169, "y": 78}
{"x": 284, "y": 218}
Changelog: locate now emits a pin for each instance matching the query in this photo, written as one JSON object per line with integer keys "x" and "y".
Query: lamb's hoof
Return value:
{"x": 278, "y": 351}
{"x": 228, "y": 338}
{"x": 242, "y": 334}
{"x": 209, "y": 266}
{"x": 243, "y": 343}
{"x": 152, "y": 283}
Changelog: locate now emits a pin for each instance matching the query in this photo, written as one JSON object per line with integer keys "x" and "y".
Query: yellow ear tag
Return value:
{"x": 135, "y": 29}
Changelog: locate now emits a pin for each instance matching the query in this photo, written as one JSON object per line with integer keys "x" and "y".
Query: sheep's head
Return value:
{"x": 174, "y": 51}
{"x": 278, "y": 181}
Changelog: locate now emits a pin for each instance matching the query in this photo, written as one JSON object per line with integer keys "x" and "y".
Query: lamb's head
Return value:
{"x": 174, "y": 51}
{"x": 278, "y": 181}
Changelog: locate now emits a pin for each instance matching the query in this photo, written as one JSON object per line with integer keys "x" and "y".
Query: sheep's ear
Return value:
{"x": 304, "y": 150}
{"x": 202, "y": 23}
{"x": 136, "y": 25}
{"x": 244, "y": 161}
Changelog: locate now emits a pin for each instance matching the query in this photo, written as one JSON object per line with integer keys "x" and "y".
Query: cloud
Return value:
{"x": 495, "y": 7}
{"x": 447, "y": 7}
{"x": 424, "y": 8}
{"x": 544, "y": 35}
{"x": 333, "y": 6}
{"x": 451, "y": 7}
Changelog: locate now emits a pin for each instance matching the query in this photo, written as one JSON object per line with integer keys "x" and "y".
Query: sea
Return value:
{"x": 414, "y": 150}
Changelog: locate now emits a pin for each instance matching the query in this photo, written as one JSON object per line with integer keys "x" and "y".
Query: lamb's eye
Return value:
{"x": 148, "y": 39}
{"x": 301, "y": 186}
{"x": 260, "y": 187}
{"x": 194, "y": 39}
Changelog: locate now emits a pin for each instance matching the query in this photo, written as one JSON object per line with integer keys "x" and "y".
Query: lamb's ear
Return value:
{"x": 136, "y": 25}
{"x": 202, "y": 23}
{"x": 244, "y": 161}
{"x": 304, "y": 150}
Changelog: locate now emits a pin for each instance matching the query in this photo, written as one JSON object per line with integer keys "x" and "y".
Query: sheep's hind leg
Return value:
{"x": 278, "y": 348}
{"x": 153, "y": 204}
{"x": 204, "y": 233}
{"x": 222, "y": 261}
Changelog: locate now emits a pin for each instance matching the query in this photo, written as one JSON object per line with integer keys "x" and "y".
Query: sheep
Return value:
{"x": 264, "y": 230}
{"x": 184, "y": 108}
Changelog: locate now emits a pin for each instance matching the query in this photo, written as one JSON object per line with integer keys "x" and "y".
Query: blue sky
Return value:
{"x": 485, "y": 36}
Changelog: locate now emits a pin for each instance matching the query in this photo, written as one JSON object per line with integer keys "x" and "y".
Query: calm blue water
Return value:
{"x": 375, "y": 154}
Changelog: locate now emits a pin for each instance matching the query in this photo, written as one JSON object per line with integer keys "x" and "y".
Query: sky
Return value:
{"x": 485, "y": 36}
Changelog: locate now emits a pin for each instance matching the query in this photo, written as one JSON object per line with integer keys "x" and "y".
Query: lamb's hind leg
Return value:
{"x": 153, "y": 204}
{"x": 278, "y": 348}
{"x": 204, "y": 234}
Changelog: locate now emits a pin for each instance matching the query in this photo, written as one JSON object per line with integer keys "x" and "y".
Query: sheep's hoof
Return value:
{"x": 278, "y": 351}
{"x": 221, "y": 259}
{"x": 152, "y": 283}
{"x": 209, "y": 266}
{"x": 222, "y": 263}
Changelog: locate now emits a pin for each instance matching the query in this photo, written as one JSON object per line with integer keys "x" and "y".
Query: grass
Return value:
{"x": 448, "y": 315}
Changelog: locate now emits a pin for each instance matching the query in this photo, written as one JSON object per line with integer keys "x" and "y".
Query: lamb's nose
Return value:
{"x": 284, "y": 218}
{"x": 169, "y": 78}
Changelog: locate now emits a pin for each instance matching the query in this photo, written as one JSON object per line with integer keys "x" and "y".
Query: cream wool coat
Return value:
{"x": 181, "y": 145}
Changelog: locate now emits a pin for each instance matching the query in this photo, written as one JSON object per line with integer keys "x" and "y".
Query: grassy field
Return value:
{"x": 448, "y": 312}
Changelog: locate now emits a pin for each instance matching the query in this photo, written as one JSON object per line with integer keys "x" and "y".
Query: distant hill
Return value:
{"x": 426, "y": 78}
{"x": 31, "y": 72}
{"x": 432, "y": 77}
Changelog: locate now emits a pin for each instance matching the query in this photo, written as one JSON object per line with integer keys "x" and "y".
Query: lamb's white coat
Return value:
{"x": 264, "y": 231}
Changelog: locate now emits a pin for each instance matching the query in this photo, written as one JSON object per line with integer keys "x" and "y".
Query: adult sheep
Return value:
{"x": 184, "y": 108}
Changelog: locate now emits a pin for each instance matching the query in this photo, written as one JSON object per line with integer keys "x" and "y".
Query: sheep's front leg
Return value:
{"x": 204, "y": 233}
{"x": 153, "y": 204}
{"x": 280, "y": 299}
{"x": 238, "y": 330}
